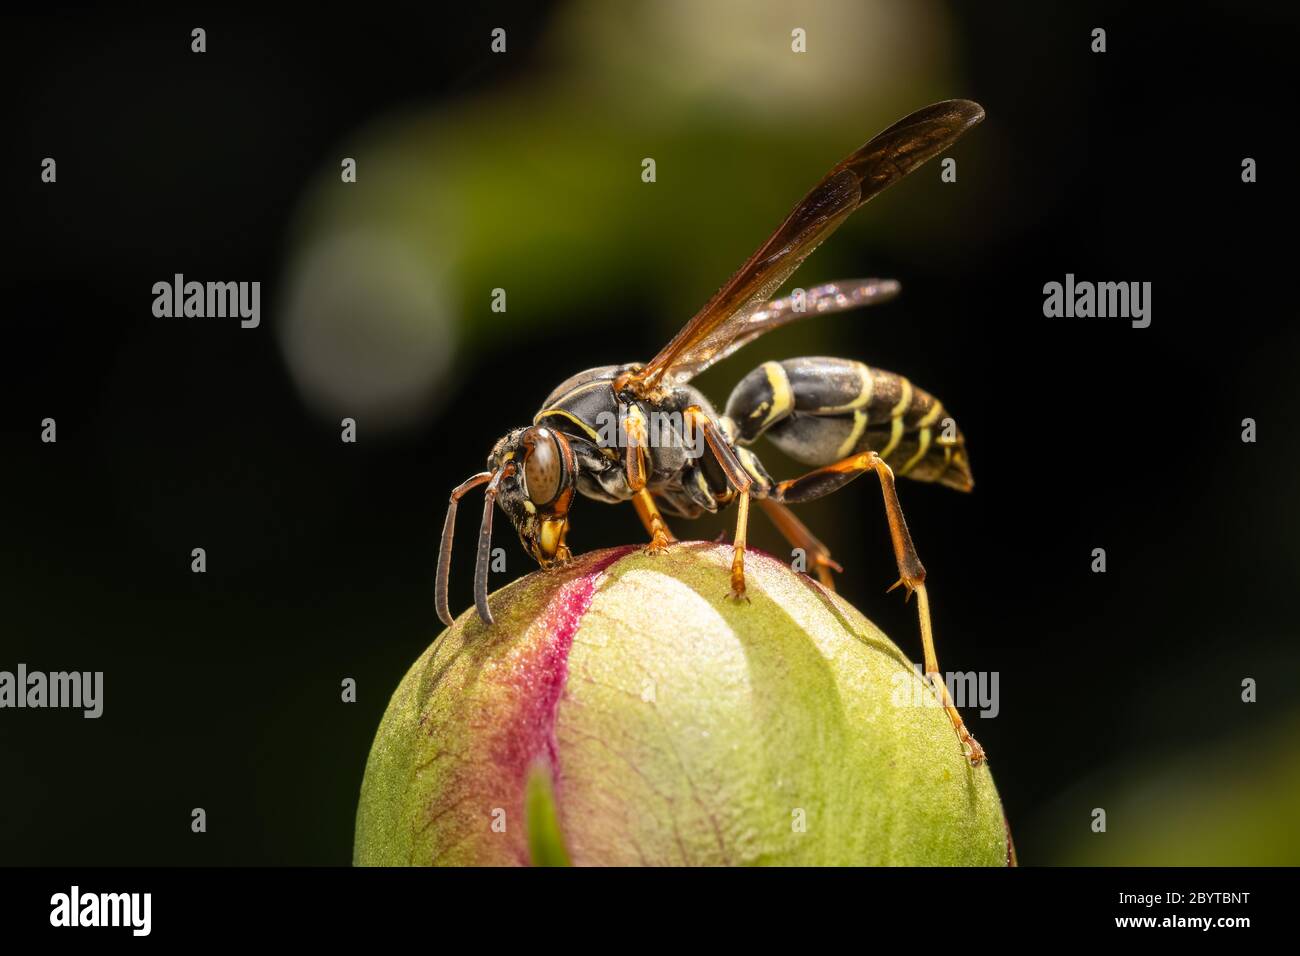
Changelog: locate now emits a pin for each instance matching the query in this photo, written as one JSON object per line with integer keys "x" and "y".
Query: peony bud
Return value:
{"x": 623, "y": 711}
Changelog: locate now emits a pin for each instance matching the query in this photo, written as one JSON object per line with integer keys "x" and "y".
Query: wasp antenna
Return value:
{"x": 485, "y": 546}
{"x": 444, "y": 550}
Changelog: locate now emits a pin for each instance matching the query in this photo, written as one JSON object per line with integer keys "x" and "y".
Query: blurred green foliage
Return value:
{"x": 1225, "y": 803}
{"x": 535, "y": 186}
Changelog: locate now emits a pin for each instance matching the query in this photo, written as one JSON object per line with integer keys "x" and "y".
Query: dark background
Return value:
{"x": 222, "y": 689}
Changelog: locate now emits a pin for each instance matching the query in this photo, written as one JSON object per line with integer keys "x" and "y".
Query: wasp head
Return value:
{"x": 531, "y": 474}
{"x": 537, "y": 470}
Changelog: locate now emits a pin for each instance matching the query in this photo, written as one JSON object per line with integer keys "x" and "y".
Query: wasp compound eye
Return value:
{"x": 542, "y": 468}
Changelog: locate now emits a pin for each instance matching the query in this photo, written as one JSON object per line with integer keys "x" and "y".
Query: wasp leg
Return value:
{"x": 911, "y": 572}
{"x": 740, "y": 482}
{"x": 797, "y": 533}
{"x": 660, "y": 535}
{"x": 634, "y": 460}
{"x": 738, "y": 559}
{"x": 634, "y": 465}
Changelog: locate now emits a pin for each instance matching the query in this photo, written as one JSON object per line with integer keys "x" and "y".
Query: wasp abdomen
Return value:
{"x": 821, "y": 410}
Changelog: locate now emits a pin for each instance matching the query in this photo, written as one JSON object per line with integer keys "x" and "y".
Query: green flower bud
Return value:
{"x": 623, "y": 711}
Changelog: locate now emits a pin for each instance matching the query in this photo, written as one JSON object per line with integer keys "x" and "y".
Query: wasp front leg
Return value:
{"x": 911, "y": 572}
{"x": 656, "y": 527}
{"x": 634, "y": 465}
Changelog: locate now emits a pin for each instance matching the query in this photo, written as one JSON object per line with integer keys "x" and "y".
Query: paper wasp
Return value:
{"x": 838, "y": 415}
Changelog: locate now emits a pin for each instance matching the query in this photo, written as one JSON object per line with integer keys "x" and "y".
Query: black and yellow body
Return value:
{"x": 820, "y": 410}
{"x": 599, "y": 422}
{"x": 817, "y": 410}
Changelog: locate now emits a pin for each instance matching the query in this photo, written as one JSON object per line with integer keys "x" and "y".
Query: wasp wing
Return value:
{"x": 880, "y": 163}
{"x": 747, "y": 325}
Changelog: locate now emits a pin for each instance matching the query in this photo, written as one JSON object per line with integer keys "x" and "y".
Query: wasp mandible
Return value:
{"x": 840, "y": 416}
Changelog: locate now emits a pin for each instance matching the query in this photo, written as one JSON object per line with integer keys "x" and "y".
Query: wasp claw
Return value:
{"x": 900, "y": 583}
{"x": 657, "y": 546}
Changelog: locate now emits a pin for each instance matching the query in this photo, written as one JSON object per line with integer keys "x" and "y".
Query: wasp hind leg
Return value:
{"x": 911, "y": 572}
{"x": 797, "y": 533}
